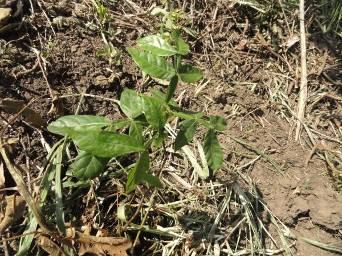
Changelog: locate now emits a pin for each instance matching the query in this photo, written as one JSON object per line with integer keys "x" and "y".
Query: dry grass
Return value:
{"x": 192, "y": 216}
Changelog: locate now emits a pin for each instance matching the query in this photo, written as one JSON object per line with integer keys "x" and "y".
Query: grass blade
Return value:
{"x": 323, "y": 246}
{"x": 59, "y": 189}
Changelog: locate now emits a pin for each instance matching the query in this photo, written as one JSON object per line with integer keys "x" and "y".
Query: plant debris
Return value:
{"x": 250, "y": 189}
{"x": 15, "y": 209}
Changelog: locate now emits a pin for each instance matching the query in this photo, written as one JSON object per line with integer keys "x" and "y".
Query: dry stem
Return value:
{"x": 303, "y": 79}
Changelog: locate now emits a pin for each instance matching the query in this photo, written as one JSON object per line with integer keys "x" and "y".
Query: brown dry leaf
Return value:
{"x": 15, "y": 206}
{"x": 291, "y": 41}
{"x": 103, "y": 246}
{"x": 49, "y": 246}
{"x": 5, "y": 14}
{"x": 14, "y": 106}
{"x": 70, "y": 232}
{"x": 21, "y": 186}
{"x": 243, "y": 45}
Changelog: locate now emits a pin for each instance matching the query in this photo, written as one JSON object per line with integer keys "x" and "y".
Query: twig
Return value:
{"x": 5, "y": 248}
{"x": 16, "y": 175}
{"x": 135, "y": 214}
{"x": 303, "y": 94}
{"x": 2, "y": 132}
{"x": 40, "y": 59}
{"x": 219, "y": 216}
{"x": 46, "y": 16}
{"x": 89, "y": 95}
{"x": 145, "y": 217}
{"x": 22, "y": 235}
{"x": 25, "y": 71}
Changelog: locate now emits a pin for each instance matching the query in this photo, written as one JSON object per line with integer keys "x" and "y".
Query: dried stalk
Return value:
{"x": 303, "y": 94}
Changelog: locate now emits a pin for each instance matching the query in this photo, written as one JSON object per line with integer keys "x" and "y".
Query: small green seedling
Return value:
{"x": 101, "y": 10}
{"x": 142, "y": 131}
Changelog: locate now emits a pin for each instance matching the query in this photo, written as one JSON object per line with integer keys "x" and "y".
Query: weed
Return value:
{"x": 110, "y": 52}
{"x": 100, "y": 139}
{"x": 107, "y": 33}
{"x": 101, "y": 10}
{"x": 330, "y": 17}
{"x": 171, "y": 20}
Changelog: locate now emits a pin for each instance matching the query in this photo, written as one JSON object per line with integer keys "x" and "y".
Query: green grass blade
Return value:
{"x": 26, "y": 241}
{"x": 59, "y": 189}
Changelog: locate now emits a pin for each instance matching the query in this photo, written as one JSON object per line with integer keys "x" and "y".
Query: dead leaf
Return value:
{"x": 22, "y": 188}
{"x": 291, "y": 41}
{"x": 261, "y": 39}
{"x": 5, "y": 14}
{"x": 103, "y": 246}
{"x": 15, "y": 207}
{"x": 49, "y": 246}
{"x": 243, "y": 45}
{"x": 15, "y": 106}
{"x": 70, "y": 232}
{"x": 102, "y": 233}
{"x": 104, "y": 81}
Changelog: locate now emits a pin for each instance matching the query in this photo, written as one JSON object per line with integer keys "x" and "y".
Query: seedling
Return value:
{"x": 101, "y": 10}
{"x": 142, "y": 131}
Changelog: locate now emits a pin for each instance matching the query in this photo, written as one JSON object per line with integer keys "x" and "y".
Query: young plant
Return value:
{"x": 142, "y": 131}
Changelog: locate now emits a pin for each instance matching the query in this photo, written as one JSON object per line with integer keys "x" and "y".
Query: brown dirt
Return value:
{"x": 303, "y": 196}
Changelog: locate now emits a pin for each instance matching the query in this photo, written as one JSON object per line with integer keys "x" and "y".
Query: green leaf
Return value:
{"x": 57, "y": 161}
{"x": 155, "y": 111}
{"x": 190, "y": 31}
{"x": 153, "y": 180}
{"x": 152, "y": 65}
{"x": 136, "y": 174}
{"x": 131, "y": 103}
{"x": 218, "y": 123}
{"x": 135, "y": 131}
{"x": 25, "y": 241}
{"x": 186, "y": 133}
{"x": 68, "y": 125}
{"x": 159, "y": 95}
{"x": 189, "y": 74}
{"x": 140, "y": 173}
{"x": 106, "y": 144}
{"x": 118, "y": 124}
{"x": 156, "y": 45}
{"x": 212, "y": 150}
{"x": 177, "y": 111}
{"x": 87, "y": 166}
{"x": 159, "y": 11}
{"x": 182, "y": 47}
{"x": 172, "y": 88}
{"x": 204, "y": 171}
{"x": 158, "y": 140}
